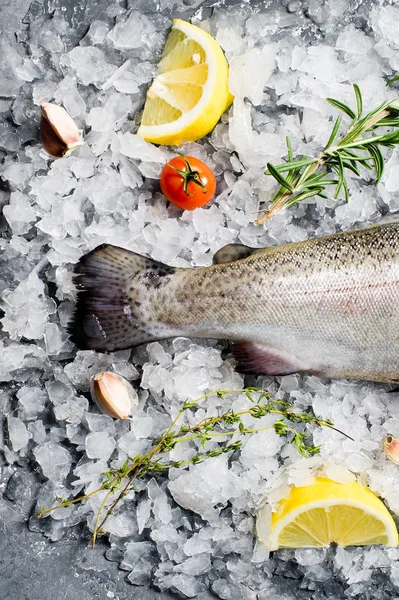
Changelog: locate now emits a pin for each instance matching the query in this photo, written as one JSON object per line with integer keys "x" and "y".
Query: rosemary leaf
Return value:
{"x": 359, "y": 100}
{"x": 341, "y": 106}
{"x": 378, "y": 160}
{"x": 334, "y": 132}
{"x": 391, "y": 81}
{"x": 293, "y": 166}
{"x": 279, "y": 178}
{"x": 289, "y": 149}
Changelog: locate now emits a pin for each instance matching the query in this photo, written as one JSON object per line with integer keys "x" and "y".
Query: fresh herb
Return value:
{"x": 119, "y": 482}
{"x": 393, "y": 80}
{"x": 306, "y": 177}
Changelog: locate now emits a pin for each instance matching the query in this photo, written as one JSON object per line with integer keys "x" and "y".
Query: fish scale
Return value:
{"x": 328, "y": 305}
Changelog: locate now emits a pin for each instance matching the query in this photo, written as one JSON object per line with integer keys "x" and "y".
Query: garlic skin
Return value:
{"x": 58, "y": 131}
{"x": 113, "y": 394}
{"x": 391, "y": 449}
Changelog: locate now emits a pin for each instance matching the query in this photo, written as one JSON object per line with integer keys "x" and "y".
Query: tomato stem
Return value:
{"x": 189, "y": 175}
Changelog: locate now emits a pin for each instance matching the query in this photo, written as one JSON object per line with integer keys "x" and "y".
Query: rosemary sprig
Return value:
{"x": 306, "y": 177}
{"x": 119, "y": 482}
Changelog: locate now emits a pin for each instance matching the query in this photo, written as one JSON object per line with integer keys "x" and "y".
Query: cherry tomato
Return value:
{"x": 187, "y": 182}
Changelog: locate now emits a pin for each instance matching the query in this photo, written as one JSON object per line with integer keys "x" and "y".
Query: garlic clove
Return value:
{"x": 391, "y": 449}
{"x": 58, "y": 131}
{"x": 113, "y": 394}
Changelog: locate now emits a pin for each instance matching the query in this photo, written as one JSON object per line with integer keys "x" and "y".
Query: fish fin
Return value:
{"x": 233, "y": 252}
{"x": 256, "y": 358}
{"x": 104, "y": 319}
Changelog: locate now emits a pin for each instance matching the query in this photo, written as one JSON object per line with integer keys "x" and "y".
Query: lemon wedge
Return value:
{"x": 189, "y": 92}
{"x": 326, "y": 511}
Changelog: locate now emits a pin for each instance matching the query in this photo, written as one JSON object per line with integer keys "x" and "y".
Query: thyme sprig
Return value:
{"x": 119, "y": 482}
{"x": 306, "y": 177}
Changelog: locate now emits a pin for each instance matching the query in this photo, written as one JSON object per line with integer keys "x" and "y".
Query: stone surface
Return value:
{"x": 33, "y": 569}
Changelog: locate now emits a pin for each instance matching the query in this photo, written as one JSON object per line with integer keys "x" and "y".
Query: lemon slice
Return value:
{"x": 189, "y": 92}
{"x": 316, "y": 515}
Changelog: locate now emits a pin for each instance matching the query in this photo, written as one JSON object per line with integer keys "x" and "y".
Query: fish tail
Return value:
{"x": 107, "y": 279}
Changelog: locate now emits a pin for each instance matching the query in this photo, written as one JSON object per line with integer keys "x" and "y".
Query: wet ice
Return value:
{"x": 200, "y": 520}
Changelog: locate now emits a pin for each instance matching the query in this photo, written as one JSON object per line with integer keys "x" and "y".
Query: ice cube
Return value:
{"x": 9, "y": 87}
{"x": 89, "y": 64}
{"x": 84, "y": 164}
{"x": 55, "y": 461}
{"x": 126, "y": 83}
{"x": 67, "y": 95}
{"x": 97, "y": 32}
{"x": 160, "y": 506}
{"x": 135, "y": 551}
{"x": 196, "y": 545}
{"x": 383, "y": 20}
{"x": 250, "y": 72}
{"x": 143, "y": 514}
{"x": 100, "y": 423}
{"x": 391, "y": 173}
{"x": 121, "y": 525}
{"x": 188, "y": 586}
{"x": 19, "y": 213}
{"x": 32, "y": 401}
{"x": 137, "y": 31}
{"x": 51, "y": 41}
{"x": 318, "y": 572}
{"x": 38, "y": 431}
{"x": 354, "y": 41}
{"x": 196, "y": 565}
{"x": 134, "y": 146}
{"x": 111, "y": 113}
{"x": 99, "y": 445}
{"x": 339, "y": 473}
{"x": 19, "y": 435}
{"x": 27, "y": 309}
{"x": 17, "y": 173}
{"x": 54, "y": 339}
{"x": 311, "y": 556}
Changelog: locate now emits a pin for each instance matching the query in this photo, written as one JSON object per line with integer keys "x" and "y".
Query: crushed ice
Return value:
{"x": 193, "y": 529}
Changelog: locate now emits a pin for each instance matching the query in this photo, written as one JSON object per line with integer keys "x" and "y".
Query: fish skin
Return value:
{"x": 328, "y": 305}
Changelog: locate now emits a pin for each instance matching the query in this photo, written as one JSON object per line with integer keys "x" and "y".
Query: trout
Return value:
{"x": 329, "y": 306}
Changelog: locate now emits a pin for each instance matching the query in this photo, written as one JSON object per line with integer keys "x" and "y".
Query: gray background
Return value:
{"x": 32, "y": 568}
